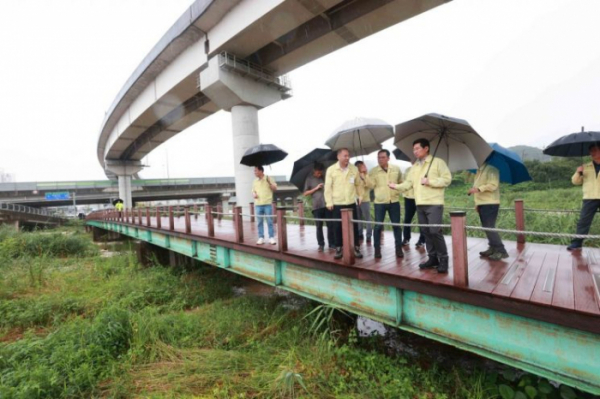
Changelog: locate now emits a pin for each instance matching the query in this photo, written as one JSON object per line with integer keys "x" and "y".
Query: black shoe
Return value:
{"x": 357, "y": 253}
{"x": 338, "y": 253}
{"x": 419, "y": 244}
{"x": 405, "y": 243}
{"x": 498, "y": 255}
{"x": 377, "y": 253}
{"x": 443, "y": 266}
{"x": 331, "y": 246}
{"x": 399, "y": 252}
{"x": 488, "y": 252}
{"x": 430, "y": 264}
{"x": 574, "y": 246}
{"x": 321, "y": 248}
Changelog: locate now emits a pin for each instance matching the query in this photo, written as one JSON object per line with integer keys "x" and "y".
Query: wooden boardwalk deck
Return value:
{"x": 544, "y": 282}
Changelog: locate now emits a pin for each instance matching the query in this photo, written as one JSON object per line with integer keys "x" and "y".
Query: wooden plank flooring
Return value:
{"x": 543, "y": 275}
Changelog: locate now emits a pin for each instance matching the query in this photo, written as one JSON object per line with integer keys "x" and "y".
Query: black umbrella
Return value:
{"x": 400, "y": 156}
{"x": 117, "y": 201}
{"x": 573, "y": 145}
{"x": 303, "y": 167}
{"x": 263, "y": 154}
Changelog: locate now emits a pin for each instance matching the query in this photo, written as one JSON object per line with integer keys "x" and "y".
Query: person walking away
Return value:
{"x": 410, "y": 209}
{"x": 314, "y": 188}
{"x": 387, "y": 200}
{"x": 263, "y": 188}
{"x": 364, "y": 210}
{"x": 587, "y": 176}
{"x": 119, "y": 208}
{"x": 429, "y": 178}
{"x": 486, "y": 191}
{"x": 342, "y": 190}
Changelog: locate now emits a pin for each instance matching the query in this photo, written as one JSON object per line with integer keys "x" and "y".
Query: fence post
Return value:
{"x": 148, "y": 217}
{"x": 347, "y": 238}
{"x": 188, "y": 220}
{"x": 132, "y": 214}
{"x": 140, "y": 221}
{"x": 237, "y": 222}
{"x": 196, "y": 211}
{"x": 520, "y": 220}
{"x": 158, "y": 218}
{"x": 282, "y": 230}
{"x": 460, "y": 260}
{"x": 252, "y": 212}
{"x": 274, "y": 211}
{"x": 219, "y": 211}
{"x": 210, "y": 220}
{"x": 301, "y": 212}
{"x": 171, "y": 219}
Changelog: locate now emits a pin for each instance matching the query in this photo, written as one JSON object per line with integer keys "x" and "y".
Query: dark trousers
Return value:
{"x": 337, "y": 228}
{"x": 488, "y": 214}
{"x": 588, "y": 210}
{"x": 434, "y": 239}
{"x": 324, "y": 213}
{"x": 393, "y": 210}
{"x": 410, "y": 208}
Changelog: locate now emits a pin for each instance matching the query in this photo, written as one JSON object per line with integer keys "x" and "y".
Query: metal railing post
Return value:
{"x": 252, "y": 212}
{"x": 171, "y": 219}
{"x": 210, "y": 220}
{"x": 300, "y": 205}
{"x": 188, "y": 220}
{"x": 158, "y": 218}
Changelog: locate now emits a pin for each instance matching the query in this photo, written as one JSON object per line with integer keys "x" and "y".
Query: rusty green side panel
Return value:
{"x": 558, "y": 353}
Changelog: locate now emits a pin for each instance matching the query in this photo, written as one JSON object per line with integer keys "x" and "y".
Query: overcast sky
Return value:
{"x": 520, "y": 71}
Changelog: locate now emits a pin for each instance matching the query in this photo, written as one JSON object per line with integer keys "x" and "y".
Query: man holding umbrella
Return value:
{"x": 486, "y": 190}
{"x": 587, "y": 176}
{"x": 342, "y": 189}
{"x": 313, "y": 187}
{"x": 262, "y": 191}
{"x": 428, "y": 178}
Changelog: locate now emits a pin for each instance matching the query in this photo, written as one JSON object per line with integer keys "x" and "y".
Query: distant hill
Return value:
{"x": 528, "y": 153}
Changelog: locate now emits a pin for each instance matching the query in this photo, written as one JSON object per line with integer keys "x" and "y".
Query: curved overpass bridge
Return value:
{"x": 230, "y": 55}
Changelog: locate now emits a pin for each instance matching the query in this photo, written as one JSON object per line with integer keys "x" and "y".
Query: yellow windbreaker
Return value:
{"x": 342, "y": 187}
{"x": 378, "y": 180}
{"x": 263, "y": 190}
{"x": 589, "y": 180}
{"x": 439, "y": 178}
{"x": 487, "y": 180}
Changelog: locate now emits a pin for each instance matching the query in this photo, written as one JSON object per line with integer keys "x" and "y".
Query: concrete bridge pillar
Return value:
{"x": 239, "y": 87}
{"x": 124, "y": 170}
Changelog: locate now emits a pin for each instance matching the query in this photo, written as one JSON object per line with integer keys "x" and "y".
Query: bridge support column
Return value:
{"x": 124, "y": 170}
{"x": 232, "y": 84}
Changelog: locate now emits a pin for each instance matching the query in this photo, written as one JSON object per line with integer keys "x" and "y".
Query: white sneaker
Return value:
{"x": 260, "y": 241}
{"x": 272, "y": 241}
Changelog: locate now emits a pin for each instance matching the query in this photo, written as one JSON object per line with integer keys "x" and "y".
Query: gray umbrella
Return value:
{"x": 361, "y": 136}
{"x": 451, "y": 139}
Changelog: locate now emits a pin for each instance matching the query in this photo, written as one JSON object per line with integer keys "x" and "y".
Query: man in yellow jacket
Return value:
{"x": 387, "y": 200}
{"x": 343, "y": 189}
{"x": 262, "y": 191}
{"x": 587, "y": 176}
{"x": 486, "y": 190}
{"x": 428, "y": 178}
{"x": 410, "y": 209}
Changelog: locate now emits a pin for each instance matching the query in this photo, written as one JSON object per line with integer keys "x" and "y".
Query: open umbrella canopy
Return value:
{"x": 573, "y": 145}
{"x": 400, "y": 156}
{"x": 361, "y": 136}
{"x": 451, "y": 139}
{"x": 303, "y": 167}
{"x": 509, "y": 164}
{"x": 263, "y": 154}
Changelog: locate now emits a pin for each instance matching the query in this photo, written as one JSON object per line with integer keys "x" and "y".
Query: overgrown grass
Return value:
{"x": 105, "y": 327}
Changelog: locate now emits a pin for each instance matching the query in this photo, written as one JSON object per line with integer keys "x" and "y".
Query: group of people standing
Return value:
{"x": 347, "y": 186}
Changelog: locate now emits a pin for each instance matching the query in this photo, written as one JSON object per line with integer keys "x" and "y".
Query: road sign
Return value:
{"x": 61, "y": 195}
